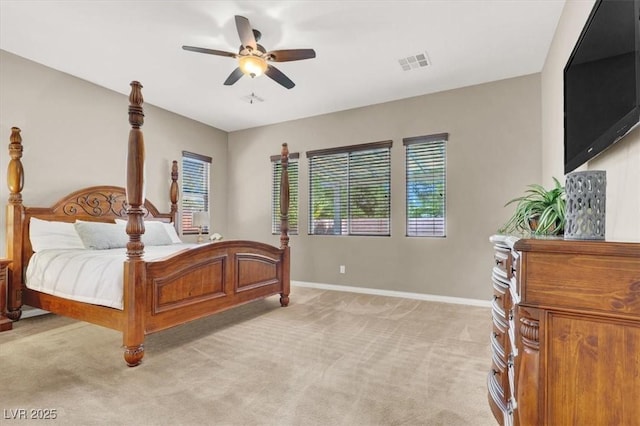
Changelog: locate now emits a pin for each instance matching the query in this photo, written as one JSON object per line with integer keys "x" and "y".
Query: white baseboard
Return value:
{"x": 393, "y": 293}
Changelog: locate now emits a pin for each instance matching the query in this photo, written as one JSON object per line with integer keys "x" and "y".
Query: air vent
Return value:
{"x": 413, "y": 62}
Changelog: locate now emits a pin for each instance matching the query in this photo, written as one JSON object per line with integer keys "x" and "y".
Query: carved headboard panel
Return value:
{"x": 96, "y": 203}
{"x": 106, "y": 202}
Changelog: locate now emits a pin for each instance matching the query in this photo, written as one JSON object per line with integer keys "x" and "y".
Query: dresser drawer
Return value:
{"x": 514, "y": 280}
{"x": 500, "y": 323}
{"x": 501, "y": 258}
{"x": 502, "y": 404}
{"x": 582, "y": 282}
{"x": 496, "y": 392}
{"x": 498, "y": 354}
{"x": 497, "y": 307}
{"x": 501, "y": 294}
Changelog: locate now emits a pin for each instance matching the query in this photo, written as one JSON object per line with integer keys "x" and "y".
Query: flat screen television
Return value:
{"x": 602, "y": 82}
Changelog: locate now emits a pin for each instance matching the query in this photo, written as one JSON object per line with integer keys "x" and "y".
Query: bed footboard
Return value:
{"x": 212, "y": 278}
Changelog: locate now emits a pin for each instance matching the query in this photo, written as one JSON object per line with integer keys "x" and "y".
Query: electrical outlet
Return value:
{"x": 343, "y": 269}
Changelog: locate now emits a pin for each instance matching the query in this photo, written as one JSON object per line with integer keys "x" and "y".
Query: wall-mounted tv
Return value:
{"x": 602, "y": 82}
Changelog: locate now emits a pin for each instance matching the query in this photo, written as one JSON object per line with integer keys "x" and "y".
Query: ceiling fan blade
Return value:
{"x": 291, "y": 55}
{"x": 245, "y": 32}
{"x": 209, "y": 51}
{"x": 233, "y": 77}
{"x": 277, "y": 75}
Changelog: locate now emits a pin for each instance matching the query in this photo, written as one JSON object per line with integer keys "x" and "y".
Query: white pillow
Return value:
{"x": 155, "y": 233}
{"x": 173, "y": 234}
{"x": 102, "y": 235}
{"x": 45, "y": 234}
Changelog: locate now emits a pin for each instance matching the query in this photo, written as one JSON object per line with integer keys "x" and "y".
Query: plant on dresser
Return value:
{"x": 539, "y": 212}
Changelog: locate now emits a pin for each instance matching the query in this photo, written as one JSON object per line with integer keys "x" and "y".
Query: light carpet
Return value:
{"x": 330, "y": 358}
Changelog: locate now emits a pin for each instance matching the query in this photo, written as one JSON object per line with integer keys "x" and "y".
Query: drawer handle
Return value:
{"x": 496, "y": 297}
{"x": 499, "y": 262}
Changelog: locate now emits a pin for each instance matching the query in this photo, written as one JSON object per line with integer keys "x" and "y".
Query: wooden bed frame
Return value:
{"x": 157, "y": 295}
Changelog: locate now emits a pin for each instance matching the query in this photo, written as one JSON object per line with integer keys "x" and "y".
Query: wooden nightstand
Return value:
{"x": 5, "y": 323}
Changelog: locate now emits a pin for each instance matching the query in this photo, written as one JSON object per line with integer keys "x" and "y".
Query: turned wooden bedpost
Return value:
{"x": 134, "y": 268}
{"x": 173, "y": 193}
{"x": 15, "y": 216}
{"x": 284, "y": 222}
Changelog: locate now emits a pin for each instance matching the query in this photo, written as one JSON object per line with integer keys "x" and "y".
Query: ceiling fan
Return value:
{"x": 253, "y": 59}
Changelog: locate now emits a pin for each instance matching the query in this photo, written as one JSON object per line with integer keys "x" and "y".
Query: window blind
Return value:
{"x": 350, "y": 190}
{"x": 195, "y": 189}
{"x": 426, "y": 185}
{"x": 276, "y": 173}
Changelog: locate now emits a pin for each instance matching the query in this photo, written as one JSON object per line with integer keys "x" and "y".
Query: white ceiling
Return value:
{"x": 358, "y": 45}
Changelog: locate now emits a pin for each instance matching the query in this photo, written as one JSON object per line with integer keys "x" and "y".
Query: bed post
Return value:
{"x": 284, "y": 223}
{"x": 134, "y": 268}
{"x": 173, "y": 193}
{"x": 15, "y": 215}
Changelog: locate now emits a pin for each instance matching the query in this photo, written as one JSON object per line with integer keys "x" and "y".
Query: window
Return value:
{"x": 276, "y": 172}
{"x": 195, "y": 189}
{"x": 350, "y": 190}
{"x": 426, "y": 185}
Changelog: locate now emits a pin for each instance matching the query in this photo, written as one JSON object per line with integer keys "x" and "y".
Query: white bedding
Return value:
{"x": 91, "y": 276}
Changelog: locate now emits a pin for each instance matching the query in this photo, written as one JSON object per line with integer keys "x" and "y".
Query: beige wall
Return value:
{"x": 621, "y": 162}
{"x": 493, "y": 152}
{"x": 75, "y": 135}
{"x": 79, "y": 130}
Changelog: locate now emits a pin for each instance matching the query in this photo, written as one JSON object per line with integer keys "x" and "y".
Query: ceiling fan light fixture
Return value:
{"x": 253, "y": 65}
{"x": 253, "y": 59}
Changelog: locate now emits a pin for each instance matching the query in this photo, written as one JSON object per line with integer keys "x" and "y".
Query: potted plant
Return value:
{"x": 540, "y": 212}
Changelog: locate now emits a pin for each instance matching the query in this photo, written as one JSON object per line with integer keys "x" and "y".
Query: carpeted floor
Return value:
{"x": 330, "y": 358}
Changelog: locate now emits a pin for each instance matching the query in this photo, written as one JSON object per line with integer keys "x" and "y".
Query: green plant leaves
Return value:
{"x": 545, "y": 208}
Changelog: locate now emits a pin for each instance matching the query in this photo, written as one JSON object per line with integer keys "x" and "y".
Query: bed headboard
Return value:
{"x": 96, "y": 203}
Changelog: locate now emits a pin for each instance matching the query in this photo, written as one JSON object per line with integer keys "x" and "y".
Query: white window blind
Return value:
{"x": 276, "y": 173}
{"x": 195, "y": 189}
{"x": 426, "y": 185}
{"x": 350, "y": 190}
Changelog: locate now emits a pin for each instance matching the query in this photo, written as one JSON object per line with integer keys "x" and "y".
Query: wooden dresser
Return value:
{"x": 504, "y": 351}
{"x": 576, "y": 359}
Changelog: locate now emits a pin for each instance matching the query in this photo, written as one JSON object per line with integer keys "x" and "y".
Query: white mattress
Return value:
{"x": 91, "y": 276}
